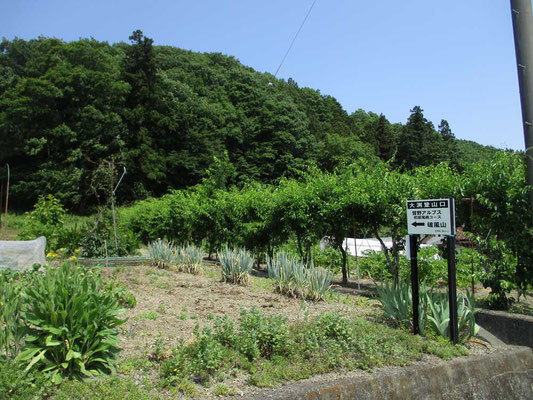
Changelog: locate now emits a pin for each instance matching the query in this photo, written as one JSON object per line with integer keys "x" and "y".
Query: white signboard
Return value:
{"x": 431, "y": 217}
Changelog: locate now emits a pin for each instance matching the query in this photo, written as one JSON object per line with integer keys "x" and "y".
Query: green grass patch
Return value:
{"x": 224, "y": 390}
{"x": 134, "y": 364}
{"x": 273, "y": 351}
{"x": 113, "y": 388}
{"x": 148, "y": 315}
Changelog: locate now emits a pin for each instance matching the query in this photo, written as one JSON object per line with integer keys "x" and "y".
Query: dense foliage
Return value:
{"x": 241, "y": 159}
{"x": 73, "y": 114}
{"x": 366, "y": 197}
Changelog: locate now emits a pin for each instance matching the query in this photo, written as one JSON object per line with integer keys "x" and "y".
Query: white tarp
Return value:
{"x": 21, "y": 255}
{"x": 363, "y": 246}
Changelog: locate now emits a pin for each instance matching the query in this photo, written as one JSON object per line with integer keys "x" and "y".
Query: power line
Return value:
{"x": 295, "y": 36}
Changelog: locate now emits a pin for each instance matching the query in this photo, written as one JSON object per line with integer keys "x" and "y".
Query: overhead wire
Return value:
{"x": 295, "y": 37}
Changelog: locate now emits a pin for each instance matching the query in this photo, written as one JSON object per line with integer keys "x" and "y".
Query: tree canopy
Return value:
{"x": 70, "y": 111}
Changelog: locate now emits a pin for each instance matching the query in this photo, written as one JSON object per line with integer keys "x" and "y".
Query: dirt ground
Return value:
{"x": 170, "y": 304}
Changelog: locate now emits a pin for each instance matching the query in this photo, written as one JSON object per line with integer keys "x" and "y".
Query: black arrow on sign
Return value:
{"x": 415, "y": 224}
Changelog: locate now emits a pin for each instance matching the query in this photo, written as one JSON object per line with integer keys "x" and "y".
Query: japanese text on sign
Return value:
{"x": 430, "y": 217}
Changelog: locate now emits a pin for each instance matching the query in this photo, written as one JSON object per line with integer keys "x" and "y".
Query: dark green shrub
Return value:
{"x": 71, "y": 323}
{"x": 46, "y": 219}
{"x": 200, "y": 359}
{"x": 329, "y": 258}
{"x": 263, "y": 336}
{"x": 100, "y": 237}
{"x": 432, "y": 266}
{"x": 374, "y": 265}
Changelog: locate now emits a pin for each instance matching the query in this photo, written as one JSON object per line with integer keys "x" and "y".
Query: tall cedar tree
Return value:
{"x": 143, "y": 157}
{"x": 413, "y": 149}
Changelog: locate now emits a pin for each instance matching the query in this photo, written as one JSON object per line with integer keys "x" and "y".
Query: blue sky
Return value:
{"x": 454, "y": 58}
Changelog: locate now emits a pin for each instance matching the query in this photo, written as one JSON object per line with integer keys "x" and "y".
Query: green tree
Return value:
{"x": 502, "y": 213}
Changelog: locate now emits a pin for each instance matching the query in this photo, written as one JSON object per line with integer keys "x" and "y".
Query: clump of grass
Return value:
{"x": 224, "y": 390}
{"x": 162, "y": 253}
{"x": 152, "y": 315}
{"x": 292, "y": 278}
{"x": 236, "y": 265}
{"x": 191, "y": 259}
{"x": 319, "y": 283}
{"x": 185, "y": 258}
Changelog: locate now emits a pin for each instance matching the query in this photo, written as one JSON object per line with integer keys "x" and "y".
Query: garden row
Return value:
{"x": 365, "y": 199}
{"x": 291, "y": 277}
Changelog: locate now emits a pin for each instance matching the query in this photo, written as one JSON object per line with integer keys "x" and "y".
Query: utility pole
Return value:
{"x": 523, "y": 39}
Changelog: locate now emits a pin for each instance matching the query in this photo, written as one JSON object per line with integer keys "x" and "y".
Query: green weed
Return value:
{"x": 152, "y": 315}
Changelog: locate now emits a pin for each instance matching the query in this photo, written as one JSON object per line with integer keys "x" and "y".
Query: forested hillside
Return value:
{"x": 73, "y": 114}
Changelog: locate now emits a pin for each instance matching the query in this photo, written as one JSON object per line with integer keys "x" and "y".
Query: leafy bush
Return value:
{"x": 263, "y": 336}
{"x": 100, "y": 237}
{"x": 200, "y": 359}
{"x": 17, "y": 384}
{"x": 46, "y": 219}
{"x": 329, "y": 258}
{"x": 236, "y": 265}
{"x": 374, "y": 265}
{"x": 121, "y": 293}
{"x": 70, "y": 320}
{"x": 499, "y": 269}
{"x": 432, "y": 267}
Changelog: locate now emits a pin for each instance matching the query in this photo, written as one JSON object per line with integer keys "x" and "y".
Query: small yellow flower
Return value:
{"x": 72, "y": 258}
{"x": 77, "y": 251}
{"x": 52, "y": 255}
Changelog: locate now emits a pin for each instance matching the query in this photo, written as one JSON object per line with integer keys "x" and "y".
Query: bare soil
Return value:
{"x": 178, "y": 301}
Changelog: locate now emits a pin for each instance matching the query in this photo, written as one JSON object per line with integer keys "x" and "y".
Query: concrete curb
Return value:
{"x": 505, "y": 374}
{"x": 516, "y": 329}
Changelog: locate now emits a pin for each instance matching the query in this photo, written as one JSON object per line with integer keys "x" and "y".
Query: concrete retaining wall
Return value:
{"x": 510, "y": 328}
{"x": 506, "y": 374}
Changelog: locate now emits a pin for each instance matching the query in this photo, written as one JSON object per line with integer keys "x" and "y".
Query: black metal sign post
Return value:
{"x": 452, "y": 286}
{"x": 413, "y": 246}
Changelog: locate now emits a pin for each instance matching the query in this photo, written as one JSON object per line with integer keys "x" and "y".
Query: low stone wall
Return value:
{"x": 516, "y": 329}
{"x": 505, "y": 374}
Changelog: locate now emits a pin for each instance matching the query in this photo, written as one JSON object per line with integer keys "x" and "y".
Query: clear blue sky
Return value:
{"x": 454, "y": 58}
